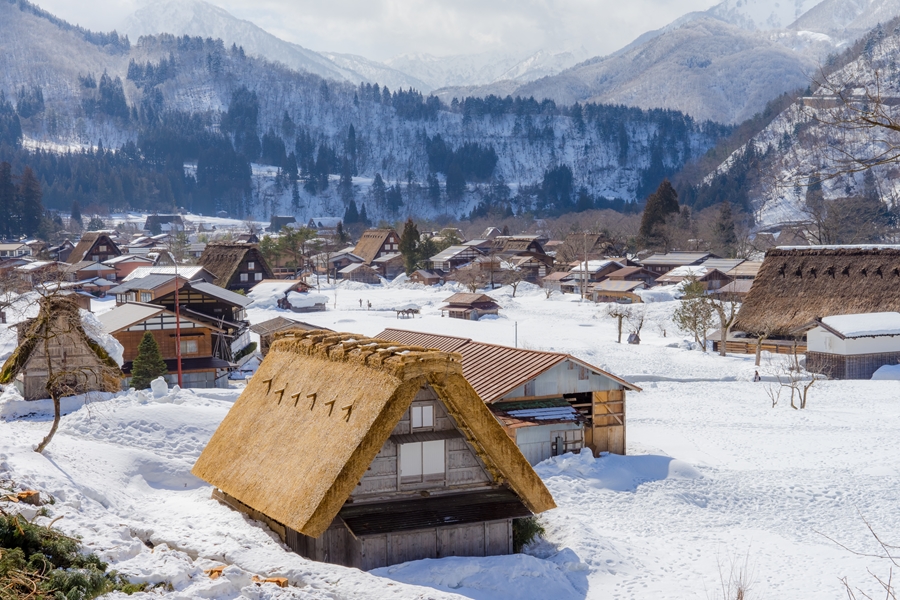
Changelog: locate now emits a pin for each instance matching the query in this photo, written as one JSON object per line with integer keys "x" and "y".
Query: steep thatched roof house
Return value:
{"x": 797, "y": 285}
{"x": 374, "y": 243}
{"x": 77, "y": 364}
{"x": 383, "y": 454}
{"x": 95, "y": 246}
{"x": 236, "y": 266}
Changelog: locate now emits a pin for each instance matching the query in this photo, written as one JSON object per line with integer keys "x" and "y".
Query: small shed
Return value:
{"x": 853, "y": 346}
{"x": 426, "y": 277}
{"x": 470, "y": 306}
{"x": 78, "y": 363}
{"x": 360, "y": 273}
{"x": 554, "y": 281}
{"x": 409, "y": 463}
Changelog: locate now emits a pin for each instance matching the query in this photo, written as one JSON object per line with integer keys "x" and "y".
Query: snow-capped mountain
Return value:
{"x": 761, "y": 15}
{"x": 846, "y": 20}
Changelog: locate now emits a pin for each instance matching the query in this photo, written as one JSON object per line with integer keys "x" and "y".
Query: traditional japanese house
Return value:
{"x": 853, "y": 346}
{"x": 663, "y": 263}
{"x": 61, "y": 251}
{"x": 711, "y": 279}
{"x": 125, "y": 264}
{"x": 267, "y": 330}
{"x": 454, "y": 257}
{"x": 426, "y": 277}
{"x": 469, "y": 306}
{"x": 360, "y": 273}
{"x": 747, "y": 270}
{"x": 190, "y": 273}
{"x": 95, "y": 246}
{"x": 236, "y": 266}
{"x": 578, "y": 247}
{"x": 77, "y": 364}
{"x": 163, "y": 223}
{"x": 278, "y": 222}
{"x": 38, "y": 272}
{"x": 375, "y": 243}
{"x": 634, "y": 274}
{"x": 14, "y": 250}
{"x": 612, "y": 290}
{"x": 389, "y": 266}
{"x": 555, "y": 281}
{"x": 87, "y": 269}
{"x": 549, "y": 402}
{"x": 408, "y": 462}
{"x": 145, "y": 289}
{"x": 584, "y": 274}
{"x": 200, "y": 368}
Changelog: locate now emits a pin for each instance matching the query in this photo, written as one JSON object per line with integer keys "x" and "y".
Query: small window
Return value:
{"x": 583, "y": 374}
{"x": 101, "y": 248}
{"x": 422, "y": 416}
{"x": 244, "y": 277}
{"x": 257, "y": 276}
{"x": 146, "y": 296}
{"x": 189, "y": 347}
{"x": 251, "y": 265}
{"x": 422, "y": 461}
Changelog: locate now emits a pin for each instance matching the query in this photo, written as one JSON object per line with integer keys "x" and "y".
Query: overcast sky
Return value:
{"x": 380, "y": 29}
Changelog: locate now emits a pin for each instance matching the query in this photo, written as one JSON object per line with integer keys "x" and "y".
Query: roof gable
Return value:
{"x": 371, "y": 241}
{"x": 224, "y": 259}
{"x": 87, "y": 243}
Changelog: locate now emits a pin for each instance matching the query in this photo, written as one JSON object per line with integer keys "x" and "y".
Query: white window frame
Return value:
{"x": 244, "y": 277}
{"x": 190, "y": 347}
{"x": 251, "y": 265}
{"x": 257, "y": 276}
{"x": 421, "y": 416}
{"x": 146, "y": 296}
{"x": 423, "y": 462}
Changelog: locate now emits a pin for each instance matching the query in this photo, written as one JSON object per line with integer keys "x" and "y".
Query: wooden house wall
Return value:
{"x": 68, "y": 352}
{"x": 463, "y": 467}
{"x": 537, "y": 442}
{"x": 562, "y": 379}
{"x": 608, "y": 426}
{"x": 338, "y": 545}
{"x": 854, "y": 366}
{"x": 252, "y": 255}
{"x": 165, "y": 337}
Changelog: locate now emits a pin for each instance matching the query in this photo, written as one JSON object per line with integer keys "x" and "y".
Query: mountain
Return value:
{"x": 846, "y": 20}
{"x": 769, "y": 175}
{"x": 199, "y": 18}
{"x": 761, "y": 15}
{"x": 166, "y": 102}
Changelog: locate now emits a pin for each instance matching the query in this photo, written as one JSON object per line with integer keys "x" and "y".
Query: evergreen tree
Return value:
{"x": 8, "y": 201}
{"x": 660, "y": 204}
{"x": 434, "y": 189}
{"x": 351, "y": 215}
{"x": 350, "y": 149}
{"x": 409, "y": 245}
{"x": 32, "y": 209}
{"x": 148, "y": 364}
{"x": 75, "y": 220}
{"x": 726, "y": 238}
{"x": 363, "y": 217}
{"x": 378, "y": 190}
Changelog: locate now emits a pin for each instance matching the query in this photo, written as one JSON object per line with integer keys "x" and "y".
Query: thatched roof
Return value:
{"x": 371, "y": 241}
{"x": 222, "y": 259}
{"x": 60, "y": 315}
{"x": 87, "y": 242}
{"x": 296, "y": 457}
{"x": 798, "y": 285}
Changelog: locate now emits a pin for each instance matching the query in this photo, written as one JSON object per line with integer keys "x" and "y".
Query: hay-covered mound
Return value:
{"x": 318, "y": 411}
{"x": 798, "y": 285}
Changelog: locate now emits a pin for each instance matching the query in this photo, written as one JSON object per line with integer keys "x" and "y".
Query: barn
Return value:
{"x": 363, "y": 453}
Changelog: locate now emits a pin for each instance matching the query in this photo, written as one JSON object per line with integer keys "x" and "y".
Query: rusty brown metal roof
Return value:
{"x": 492, "y": 370}
{"x": 464, "y": 298}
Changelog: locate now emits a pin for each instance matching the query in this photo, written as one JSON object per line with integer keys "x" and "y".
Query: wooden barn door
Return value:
{"x": 609, "y": 422}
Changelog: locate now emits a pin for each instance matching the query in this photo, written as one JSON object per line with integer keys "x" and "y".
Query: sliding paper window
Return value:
{"x": 422, "y": 461}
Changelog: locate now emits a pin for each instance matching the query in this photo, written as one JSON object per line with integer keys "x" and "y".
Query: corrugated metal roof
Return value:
{"x": 221, "y": 293}
{"x": 675, "y": 259}
{"x": 448, "y": 253}
{"x": 723, "y": 264}
{"x": 126, "y": 315}
{"x": 617, "y": 285}
{"x": 463, "y": 298}
{"x": 151, "y": 282}
{"x": 444, "y": 343}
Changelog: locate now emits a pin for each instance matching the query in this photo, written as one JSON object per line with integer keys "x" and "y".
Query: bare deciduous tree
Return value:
{"x": 471, "y": 278}
{"x": 620, "y": 312}
{"x": 726, "y": 307}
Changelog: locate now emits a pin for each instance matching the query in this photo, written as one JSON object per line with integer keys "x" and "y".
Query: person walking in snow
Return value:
{"x": 756, "y": 376}
{"x": 360, "y": 302}
{"x": 369, "y": 302}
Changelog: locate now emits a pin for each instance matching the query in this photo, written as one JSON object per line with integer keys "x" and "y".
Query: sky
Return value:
{"x": 380, "y": 29}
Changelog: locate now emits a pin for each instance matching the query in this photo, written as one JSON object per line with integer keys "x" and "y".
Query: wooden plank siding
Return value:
{"x": 609, "y": 422}
{"x": 749, "y": 346}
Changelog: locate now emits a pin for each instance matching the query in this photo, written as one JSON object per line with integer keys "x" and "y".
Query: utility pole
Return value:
{"x": 177, "y": 328}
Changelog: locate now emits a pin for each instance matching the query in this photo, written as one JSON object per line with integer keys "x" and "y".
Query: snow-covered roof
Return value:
{"x": 269, "y": 288}
{"x": 688, "y": 271}
{"x": 864, "y": 325}
{"x": 594, "y": 266}
{"x": 185, "y": 272}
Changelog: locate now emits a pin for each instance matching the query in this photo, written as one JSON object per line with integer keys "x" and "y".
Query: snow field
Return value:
{"x": 715, "y": 477}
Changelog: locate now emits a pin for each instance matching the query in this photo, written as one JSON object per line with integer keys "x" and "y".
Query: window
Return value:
{"x": 422, "y": 461}
{"x": 257, "y": 276}
{"x": 189, "y": 347}
{"x": 422, "y": 416}
{"x": 146, "y": 296}
{"x": 101, "y": 248}
{"x": 583, "y": 374}
{"x": 244, "y": 277}
{"x": 251, "y": 265}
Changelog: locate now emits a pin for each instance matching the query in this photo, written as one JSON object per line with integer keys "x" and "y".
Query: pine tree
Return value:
{"x": 351, "y": 215}
{"x": 148, "y": 364}
{"x": 75, "y": 220}
{"x": 30, "y": 198}
{"x": 660, "y": 204}
{"x": 378, "y": 190}
{"x": 8, "y": 225}
{"x": 363, "y": 217}
{"x": 409, "y": 245}
{"x": 725, "y": 234}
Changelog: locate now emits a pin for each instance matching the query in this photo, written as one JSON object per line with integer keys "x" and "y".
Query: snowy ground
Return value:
{"x": 715, "y": 478}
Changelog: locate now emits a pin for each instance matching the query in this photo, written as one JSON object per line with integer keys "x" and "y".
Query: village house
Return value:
{"x": 409, "y": 463}
{"x": 711, "y": 279}
{"x": 326, "y": 226}
{"x": 61, "y": 251}
{"x": 634, "y": 274}
{"x": 454, "y": 257}
{"x": 236, "y": 266}
{"x": 555, "y": 281}
{"x": 87, "y": 269}
{"x": 375, "y": 243}
{"x": 145, "y": 289}
{"x": 549, "y": 402}
{"x": 617, "y": 290}
{"x": 14, "y": 250}
{"x": 95, "y": 246}
{"x": 200, "y": 368}
{"x": 578, "y": 247}
{"x": 508, "y": 246}
{"x": 292, "y": 294}
{"x": 389, "y": 266}
{"x": 267, "y": 330}
{"x": 331, "y": 263}
{"x": 585, "y": 274}
{"x": 360, "y": 273}
{"x": 277, "y": 222}
{"x": 78, "y": 364}
{"x": 746, "y": 271}
{"x": 190, "y": 273}
{"x": 663, "y": 263}
{"x": 39, "y": 271}
{"x": 164, "y": 223}
{"x": 469, "y": 306}
{"x": 125, "y": 264}
{"x": 426, "y": 277}
{"x": 853, "y": 346}
{"x": 797, "y": 285}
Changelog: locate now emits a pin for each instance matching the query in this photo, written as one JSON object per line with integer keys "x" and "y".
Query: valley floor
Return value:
{"x": 716, "y": 480}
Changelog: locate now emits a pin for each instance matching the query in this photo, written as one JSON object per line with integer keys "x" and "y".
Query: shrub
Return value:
{"x": 524, "y": 532}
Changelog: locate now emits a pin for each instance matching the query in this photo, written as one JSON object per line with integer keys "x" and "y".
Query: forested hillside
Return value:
{"x": 163, "y": 102}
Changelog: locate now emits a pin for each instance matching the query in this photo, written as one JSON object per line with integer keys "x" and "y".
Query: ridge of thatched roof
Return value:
{"x": 370, "y": 243}
{"x": 87, "y": 242}
{"x": 798, "y": 285}
{"x": 54, "y": 308}
{"x": 222, "y": 259}
{"x": 320, "y": 408}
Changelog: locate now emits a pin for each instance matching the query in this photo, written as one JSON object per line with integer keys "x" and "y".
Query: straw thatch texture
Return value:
{"x": 87, "y": 242}
{"x": 297, "y": 458}
{"x": 223, "y": 260}
{"x": 371, "y": 242}
{"x": 797, "y": 285}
